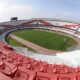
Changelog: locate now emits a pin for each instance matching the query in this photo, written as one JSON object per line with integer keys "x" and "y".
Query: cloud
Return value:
{"x": 18, "y": 10}
{"x": 2, "y": 5}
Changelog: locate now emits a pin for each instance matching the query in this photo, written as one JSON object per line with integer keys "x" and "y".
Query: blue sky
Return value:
{"x": 60, "y": 9}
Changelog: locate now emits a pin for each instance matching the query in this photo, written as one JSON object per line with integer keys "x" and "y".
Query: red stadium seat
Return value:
{"x": 19, "y": 67}
{"x": 4, "y": 77}
{"x": 67, "y": 77}
{"x": 20, "y": 75}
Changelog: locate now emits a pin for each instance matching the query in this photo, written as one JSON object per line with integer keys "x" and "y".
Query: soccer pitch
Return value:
{"x": 52, "y": 41}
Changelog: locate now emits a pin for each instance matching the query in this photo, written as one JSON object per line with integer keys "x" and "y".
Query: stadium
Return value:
{"x": 39, "y": 49}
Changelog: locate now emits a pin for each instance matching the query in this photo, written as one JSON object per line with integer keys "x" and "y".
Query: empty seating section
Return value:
{"x": 14, "y": 66}
{"x": 6, "y": 28}
{"x": 29, "y": 23}
{"x": 39, "y": 24}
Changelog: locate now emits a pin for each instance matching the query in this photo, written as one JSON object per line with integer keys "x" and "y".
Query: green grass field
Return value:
{"x": 53, "y": 41}
{"x": 13, "y": 42}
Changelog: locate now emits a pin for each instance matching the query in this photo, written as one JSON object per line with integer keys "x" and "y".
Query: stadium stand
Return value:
{"x": 15, "y": 66}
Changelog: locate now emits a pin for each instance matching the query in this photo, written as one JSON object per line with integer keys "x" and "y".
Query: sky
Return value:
{"x": 25, "y": 9}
